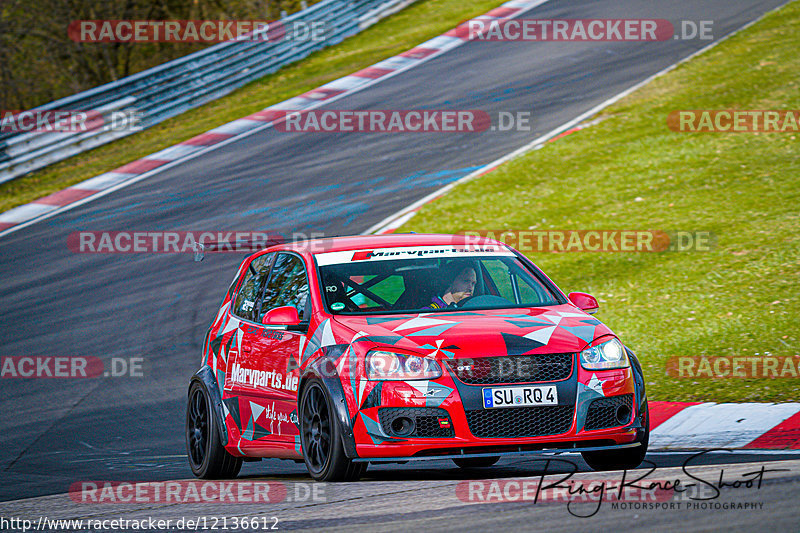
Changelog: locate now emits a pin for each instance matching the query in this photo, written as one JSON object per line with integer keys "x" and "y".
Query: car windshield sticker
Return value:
{"x": 411, "y": 252}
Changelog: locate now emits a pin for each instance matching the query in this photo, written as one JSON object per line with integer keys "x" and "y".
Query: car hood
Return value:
{"x": 553, "y": 329}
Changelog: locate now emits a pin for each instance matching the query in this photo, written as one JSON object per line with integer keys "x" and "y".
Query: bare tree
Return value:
{"x": 40, "y": 63}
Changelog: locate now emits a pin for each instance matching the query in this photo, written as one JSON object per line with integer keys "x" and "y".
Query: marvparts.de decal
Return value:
{"x": 263, "y": 378}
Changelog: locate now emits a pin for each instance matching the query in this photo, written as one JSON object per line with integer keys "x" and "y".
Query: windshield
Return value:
{"x": 428, "y": 279}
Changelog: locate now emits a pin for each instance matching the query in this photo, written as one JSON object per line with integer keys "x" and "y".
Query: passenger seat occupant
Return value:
{"x": 462, "y": 285}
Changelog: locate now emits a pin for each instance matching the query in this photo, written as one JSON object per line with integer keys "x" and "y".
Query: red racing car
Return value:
{"x": 357, "y": 350}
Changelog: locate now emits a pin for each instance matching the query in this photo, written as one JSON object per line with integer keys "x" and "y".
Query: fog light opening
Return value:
{"x": 623, "y": 414}
{"x": 402, "y": 426}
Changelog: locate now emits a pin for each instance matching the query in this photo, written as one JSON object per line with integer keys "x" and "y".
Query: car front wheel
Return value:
{"x": 321, "y": 437}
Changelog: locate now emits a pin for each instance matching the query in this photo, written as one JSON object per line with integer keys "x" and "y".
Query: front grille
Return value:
{"x": 513, "y": 369}
{"x": 520, "y": 421}
{"x": 426, "y": 421}
{"x": 602, "y": 412}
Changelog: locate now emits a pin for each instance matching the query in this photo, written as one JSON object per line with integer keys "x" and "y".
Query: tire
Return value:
{"x": 626, "y": 459}
{"x": 207, "y": 457}
{"x": 476, "y": 462}
{"x": 321, "y": 437}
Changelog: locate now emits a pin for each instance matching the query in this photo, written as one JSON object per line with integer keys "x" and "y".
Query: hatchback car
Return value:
{"x": 357, "y": 350}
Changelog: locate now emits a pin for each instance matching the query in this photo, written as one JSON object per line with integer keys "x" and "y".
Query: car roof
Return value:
{"x": 361, "y": 242}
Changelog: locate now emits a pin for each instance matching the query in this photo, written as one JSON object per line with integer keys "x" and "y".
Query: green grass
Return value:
{"x": 419, "y": 22}
{"x": 741, "y": 298}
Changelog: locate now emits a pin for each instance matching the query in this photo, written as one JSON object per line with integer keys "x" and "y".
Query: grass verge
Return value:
{"x": 404, "y": 30}
{"x": 631, "y": 172}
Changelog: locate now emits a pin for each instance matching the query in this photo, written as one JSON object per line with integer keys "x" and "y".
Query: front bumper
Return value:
{"x": 467, "y": 453}
{"x": 478, "y": 432}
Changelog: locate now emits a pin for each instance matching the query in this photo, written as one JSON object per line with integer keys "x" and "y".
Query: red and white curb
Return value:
{"x": 686, "y": 425}
{"x": 96, "y": 187}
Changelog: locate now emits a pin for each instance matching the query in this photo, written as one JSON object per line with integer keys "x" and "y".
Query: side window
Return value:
{"x": 247, "y": 298}
{"x": 509, "y": 279}
{"x": 501, "y": 276}
{"x": 529, "y": 293}
{"x": 288, "y": 285}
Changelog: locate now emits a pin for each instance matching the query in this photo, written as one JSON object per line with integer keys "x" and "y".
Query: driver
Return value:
{"x": 460, "y": 288}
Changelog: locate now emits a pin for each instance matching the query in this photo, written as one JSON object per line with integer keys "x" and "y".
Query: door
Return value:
{"x": 266, "y": 374}
{"x": 244, "y": 375}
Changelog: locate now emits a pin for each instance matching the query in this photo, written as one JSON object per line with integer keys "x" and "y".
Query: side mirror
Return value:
{"x": 283, "y": 316}
{"x": 584, "y": 301}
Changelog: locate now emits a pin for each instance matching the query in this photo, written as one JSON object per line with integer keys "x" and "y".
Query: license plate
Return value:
{"x": 496, "y": 397}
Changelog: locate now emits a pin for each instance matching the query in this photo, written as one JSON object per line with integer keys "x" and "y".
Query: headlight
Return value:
{"x": 394, "y": 366}
{"x": 610, "y": 354}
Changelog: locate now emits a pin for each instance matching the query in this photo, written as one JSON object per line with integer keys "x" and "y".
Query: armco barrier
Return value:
{"x": 170, "y": 89}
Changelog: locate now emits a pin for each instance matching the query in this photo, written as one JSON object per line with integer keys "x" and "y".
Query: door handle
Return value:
{"x": 246, "y": 347}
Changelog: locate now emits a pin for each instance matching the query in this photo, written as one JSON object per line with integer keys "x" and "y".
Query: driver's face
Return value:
{"x": 464, "y": 282}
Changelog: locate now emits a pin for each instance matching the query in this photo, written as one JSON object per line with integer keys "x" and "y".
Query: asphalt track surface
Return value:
{"x": 55, "y": 302}
{"x": 709, "y": 500}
